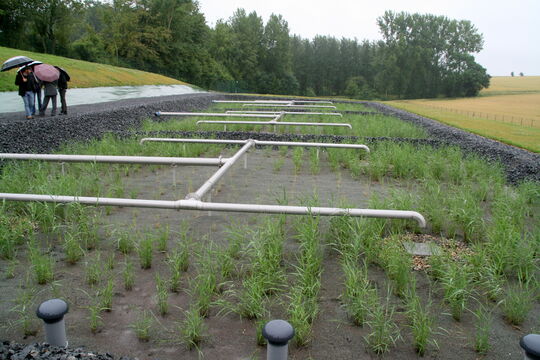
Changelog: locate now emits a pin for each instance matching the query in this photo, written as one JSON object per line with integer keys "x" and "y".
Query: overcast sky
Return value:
{"x": 511, "y": 28}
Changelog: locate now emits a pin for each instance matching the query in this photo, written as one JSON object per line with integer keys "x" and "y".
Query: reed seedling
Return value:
{"x": 482, "y": 327}
{"x": 455, "y": 282}
{"x": 193, "y": 329}
{"x": 72, "y": 248}
{"x": 42, "y": 265}
{"x": 163, "y": 239}
{"x": 128, "y": 276}
{"x": 143, "y": 325}
{"x": 110, "y": 261}
{"x": 252, "y": 299}
{"x": 125, "y": 241}
{"x": 466, "y": 212}
{"x": 517, "y": 303}
{"x": 11, "y": 268}
{"x": 397, "y": 264}
{"x": 421, "y": 323}
{"x": 95, "y": 320}
{"x": 162, "y": 295}
{"x": 145, "y": 252}
{"x": 94, "y": 270}
{"x": 314, "y": 163}
{"x": 384, "y": 331}
{"x": 25, "y": 310}
{"x": 359, "y": 296}
{"x": 300, "y": 314}
{"x": 298, "y": 154}
{"x": 106, "y": 295}
{"x": 278, "y": 164}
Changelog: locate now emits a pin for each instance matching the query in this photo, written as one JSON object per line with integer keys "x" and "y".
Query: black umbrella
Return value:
{"x": 62, "y": 71}
{"x": 15, "y": 61}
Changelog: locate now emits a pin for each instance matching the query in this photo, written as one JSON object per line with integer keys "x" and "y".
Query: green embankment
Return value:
{"x": 84, "y": 74}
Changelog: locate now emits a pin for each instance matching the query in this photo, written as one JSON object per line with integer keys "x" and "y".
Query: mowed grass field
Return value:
{"x": 509, "y": 111}
{"x": 83, "y": 73}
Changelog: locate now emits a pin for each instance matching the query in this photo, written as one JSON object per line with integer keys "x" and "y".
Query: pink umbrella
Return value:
{"x": 46, "y": 72}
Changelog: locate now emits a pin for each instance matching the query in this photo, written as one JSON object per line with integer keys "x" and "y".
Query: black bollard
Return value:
{"x": 52, "y": 313}
{"x": 278, "y": 333}
{"x": 531, "y": 345}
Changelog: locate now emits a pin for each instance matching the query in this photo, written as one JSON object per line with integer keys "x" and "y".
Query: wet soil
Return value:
{"x": 228, "y": 336}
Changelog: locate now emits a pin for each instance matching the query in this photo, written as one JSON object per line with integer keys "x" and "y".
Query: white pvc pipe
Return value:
{"x": 153, "y": 160}
{"x": 257, "y": 142}
{"x": 193, "y": 204}
{"x": 273, "y": 123}
{"x": 292, "y": 106}
{"x": 160, "y": 113}
{"x": 207, "y": 186}
{"x": 273, "y": 101}
{"x": 283, "y": 112}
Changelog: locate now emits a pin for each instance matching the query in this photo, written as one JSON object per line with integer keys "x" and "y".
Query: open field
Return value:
{"x": 83, "y": 73}
{"x": 180, "y": 284}
{"x": 510, "y": 112}
{"x": 507, "y": 85}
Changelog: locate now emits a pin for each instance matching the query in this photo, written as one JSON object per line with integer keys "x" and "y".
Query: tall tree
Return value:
{"x": 429, "y": 50}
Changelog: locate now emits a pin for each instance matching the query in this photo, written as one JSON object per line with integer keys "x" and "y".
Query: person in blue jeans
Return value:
{"x": 26, "y": 84}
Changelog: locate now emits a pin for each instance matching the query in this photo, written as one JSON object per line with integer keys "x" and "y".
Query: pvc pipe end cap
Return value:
{"x": 52, "y": 311}
{"x": 278, "y": 332}
{"x": 157, "y": 113}
{"x": 531, "y": 345}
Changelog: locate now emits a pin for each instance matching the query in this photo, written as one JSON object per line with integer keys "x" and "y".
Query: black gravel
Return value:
{"x": 13, "y": 351}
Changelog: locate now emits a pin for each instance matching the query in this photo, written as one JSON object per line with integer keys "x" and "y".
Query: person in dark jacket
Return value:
{"x": 62, "y": 87}
{"x": 50, "y": 93}
{"x": 26, "y": 82}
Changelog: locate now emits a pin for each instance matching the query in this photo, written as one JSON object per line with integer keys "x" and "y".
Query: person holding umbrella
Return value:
{"x": 27, "y": 84}
{"x": 62, "y": 87}
{"x": 49, "y": 75}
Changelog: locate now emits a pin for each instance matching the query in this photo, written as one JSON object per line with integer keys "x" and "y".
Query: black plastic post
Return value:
{"x": 278, "y": 333}
{"x": 531, "y": 345}
{"x": 52, "y": 313}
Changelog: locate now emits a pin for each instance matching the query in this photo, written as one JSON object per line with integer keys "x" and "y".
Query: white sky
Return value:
{"x": 511, "y": 28}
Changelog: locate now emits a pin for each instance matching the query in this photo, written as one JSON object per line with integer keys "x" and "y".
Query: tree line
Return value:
{"x": 419, "y": 56}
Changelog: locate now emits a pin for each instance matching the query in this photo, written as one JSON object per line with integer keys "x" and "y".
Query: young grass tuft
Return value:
{"x": 517, "y": 303}
{"x": 128, "y": 276}
{"x": 106, "y": 296}
{"x": 384, "y": 332}
{"x": 145, "y": 251}
{"x": 72, "y": 248}
{"x": 94, "y": 270}
{"x": 484, "y": 318}
{"x": 193, "y": 328}
{"x": 162, "y": 295}
{"x": 421, "y": 323}
{"x": 143, "y": 325}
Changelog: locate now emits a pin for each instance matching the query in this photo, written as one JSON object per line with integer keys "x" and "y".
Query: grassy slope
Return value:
{"x": 83, "y": 73}
{"x": 509, "y": 111}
